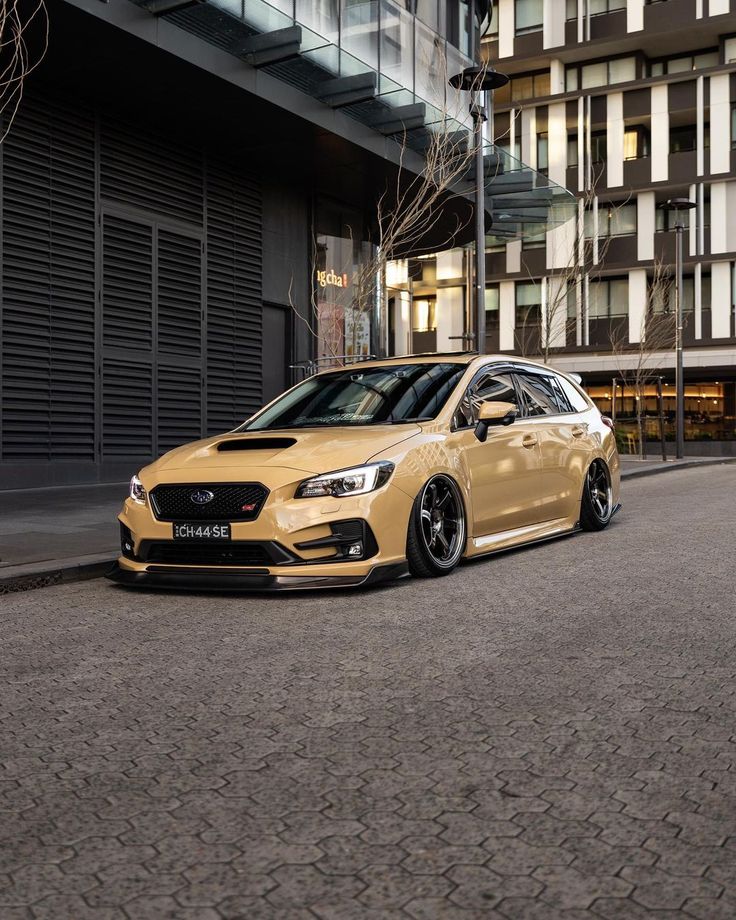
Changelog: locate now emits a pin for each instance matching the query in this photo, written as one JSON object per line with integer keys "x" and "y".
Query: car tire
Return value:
{"x": 596, "y": 508}
{"x": 437, "y": 529}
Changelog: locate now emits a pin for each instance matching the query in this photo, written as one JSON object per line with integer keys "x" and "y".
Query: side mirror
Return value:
{"x": 494, "y": 413}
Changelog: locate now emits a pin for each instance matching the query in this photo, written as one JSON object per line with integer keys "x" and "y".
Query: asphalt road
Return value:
{"x": 546, "y": 734}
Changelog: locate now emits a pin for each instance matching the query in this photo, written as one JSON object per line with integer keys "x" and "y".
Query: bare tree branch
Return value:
{"x": 24, "y": 29}
{"x": 638, "y": 363}
{"x": 413, "y": 205}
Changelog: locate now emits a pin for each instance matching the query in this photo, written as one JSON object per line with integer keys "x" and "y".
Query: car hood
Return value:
{"x": 304, "y": 450}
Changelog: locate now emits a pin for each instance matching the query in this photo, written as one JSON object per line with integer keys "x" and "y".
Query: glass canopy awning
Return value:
{"x": 382, "y": 66}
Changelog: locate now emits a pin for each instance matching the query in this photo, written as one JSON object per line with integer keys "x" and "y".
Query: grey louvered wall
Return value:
{"x": 131, "y": 295}
{"x": 48, "y": 286}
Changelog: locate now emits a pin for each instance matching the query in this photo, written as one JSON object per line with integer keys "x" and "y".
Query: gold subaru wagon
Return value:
{"x": 374, "y": 471}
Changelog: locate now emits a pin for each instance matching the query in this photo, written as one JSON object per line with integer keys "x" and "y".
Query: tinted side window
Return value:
{"x": 538, "y": 395}
{"x": 576, "y": 399}
{"x": 488, "y": 388}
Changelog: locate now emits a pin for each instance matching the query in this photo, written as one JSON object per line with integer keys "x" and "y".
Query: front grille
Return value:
{"x": 236, "y": 553}
{"x": 174, "y": 502}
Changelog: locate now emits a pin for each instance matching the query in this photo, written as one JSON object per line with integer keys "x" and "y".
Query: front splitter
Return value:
{"x": 173, "y": 578}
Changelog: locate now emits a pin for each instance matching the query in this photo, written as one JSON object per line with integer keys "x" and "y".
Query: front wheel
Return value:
{"x": 597, "y": 505}
{"x": 437, "y": 530}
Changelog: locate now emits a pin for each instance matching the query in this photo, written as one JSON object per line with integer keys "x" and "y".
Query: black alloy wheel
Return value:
{"x": 597, "y": 504}
{"x": 437, "y": 530}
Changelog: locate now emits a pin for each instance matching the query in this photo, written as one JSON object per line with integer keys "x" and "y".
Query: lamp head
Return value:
{"x": 478, "y": 79}
{"x": 677, "y": 204}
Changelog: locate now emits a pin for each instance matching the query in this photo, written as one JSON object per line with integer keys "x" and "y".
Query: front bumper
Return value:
{"x": 296, "y": 543}
{"x": 180, "y": 578}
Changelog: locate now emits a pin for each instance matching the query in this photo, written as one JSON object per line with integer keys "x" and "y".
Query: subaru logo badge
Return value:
{"x": 202, "y": 497}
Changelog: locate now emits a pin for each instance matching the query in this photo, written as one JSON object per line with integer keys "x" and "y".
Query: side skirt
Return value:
{"x": 509, "y": 541}
{"x": 515, "y": 539}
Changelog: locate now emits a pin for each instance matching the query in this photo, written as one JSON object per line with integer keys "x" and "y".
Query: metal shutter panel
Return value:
{"x": 128, "y": 423}
{"x": 48, "y": 328}
{"x": 234, "y": 319}
{"x": 144, "y": 170}
{"x": 179, "y": 338}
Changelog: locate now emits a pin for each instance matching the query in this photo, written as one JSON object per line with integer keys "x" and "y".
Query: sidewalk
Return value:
{"x": 631, "y": 467}
{"x": 58, "y": 534}
{"x": 68, "y": 533}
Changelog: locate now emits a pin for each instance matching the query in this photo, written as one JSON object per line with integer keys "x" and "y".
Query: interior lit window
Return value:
{"x": 424, "y": 315}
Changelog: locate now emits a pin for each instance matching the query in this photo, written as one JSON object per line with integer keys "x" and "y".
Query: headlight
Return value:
{"x": 355, "y": 481}
{"x": 137, "y": 492}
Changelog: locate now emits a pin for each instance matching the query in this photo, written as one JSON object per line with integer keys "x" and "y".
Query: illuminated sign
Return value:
{"x": 331, "y": 278}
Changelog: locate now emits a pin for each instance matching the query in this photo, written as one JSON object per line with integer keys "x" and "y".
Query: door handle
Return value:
{"x": 529, "y": 440}
{"x": 579, "y": 431}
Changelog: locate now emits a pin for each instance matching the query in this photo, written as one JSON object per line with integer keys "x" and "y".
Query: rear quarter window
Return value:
{"x": 576, "y": 399}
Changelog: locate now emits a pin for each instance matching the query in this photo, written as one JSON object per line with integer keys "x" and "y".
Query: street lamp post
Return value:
{"x": 677, "y": 206}
{"x": 476, "y": 81}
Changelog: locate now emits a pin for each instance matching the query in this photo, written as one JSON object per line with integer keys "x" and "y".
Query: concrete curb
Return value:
{"x": 672, "y": 465}
{"x": 42, "y": 574}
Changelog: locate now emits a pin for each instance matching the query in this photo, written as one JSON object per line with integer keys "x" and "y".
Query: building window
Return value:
{"x": 662, "y": 295}
{"x": 621, "y": 70}
{"x": 542, "y": 151}
{"x": 531, "y": 86}
{"x": 428, "y": 12}
{"x": 458, "y": 22}
{"x": 529, "y": 16}
{"x": 424, "y": 314}
{"x": 685, "y": 137}
{"x": 665, "y": 220}
{"x": 636, "y": 143}
{"x": 608, "y": 298}
{"x": 528, "y": 304}
{"x": 513, "y": 151}
{"x": 492, "y": 305}
{"x": 617, "y": 70}
{"x": 729, "y": 51}
{"x": 594, "y": 75}
{"x": 617, "y": 219}
{"x": 599, "y": 7}
{"x": 598, "y": 147}
{"x": 614, "y": 219}
{"x": 572, "y": 150}
{"x": 733, "y": 126}
{"x": 684, "y": 63}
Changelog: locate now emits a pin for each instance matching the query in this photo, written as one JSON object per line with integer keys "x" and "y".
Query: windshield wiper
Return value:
{"x": 406, "y": 421}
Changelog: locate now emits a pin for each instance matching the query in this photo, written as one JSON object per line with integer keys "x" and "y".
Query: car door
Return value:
{"x": 563, "y": 437}
{"x": 504, "y": 471}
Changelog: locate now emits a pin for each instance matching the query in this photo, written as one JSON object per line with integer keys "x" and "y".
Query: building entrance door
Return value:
{"x": 276, "y": 350}
{"x": 151, "y": 370}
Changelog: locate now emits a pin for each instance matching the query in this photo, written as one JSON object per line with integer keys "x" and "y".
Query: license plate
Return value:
{"x": 201, "y": 531}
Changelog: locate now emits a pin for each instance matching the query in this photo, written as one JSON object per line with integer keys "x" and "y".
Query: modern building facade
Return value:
{"x": 628, "y": 103}
{"x": 188, "y": 190}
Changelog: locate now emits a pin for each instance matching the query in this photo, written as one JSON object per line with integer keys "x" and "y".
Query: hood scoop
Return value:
{"x": 256, "y": 444}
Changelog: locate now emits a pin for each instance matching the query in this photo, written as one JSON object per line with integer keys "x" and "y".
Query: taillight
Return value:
{"x": 608, "y": 422}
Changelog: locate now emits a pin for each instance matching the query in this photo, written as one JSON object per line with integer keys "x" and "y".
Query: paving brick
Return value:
{"x": 544, "y": 736}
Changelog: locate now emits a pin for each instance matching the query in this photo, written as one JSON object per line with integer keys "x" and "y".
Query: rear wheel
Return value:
{"x": 437, "y": 530}
{"x": 597, "y": 505}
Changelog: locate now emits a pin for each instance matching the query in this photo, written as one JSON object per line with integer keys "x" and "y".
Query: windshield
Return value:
{"x": 371, "y": 396}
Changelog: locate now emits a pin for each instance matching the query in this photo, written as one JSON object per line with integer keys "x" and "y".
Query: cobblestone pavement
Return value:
{"x": 548, "y": 734}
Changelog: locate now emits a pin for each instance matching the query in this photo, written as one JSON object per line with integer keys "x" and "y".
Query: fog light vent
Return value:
{"x": 355, "y": 549}
{"x": 126, "y": 543}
